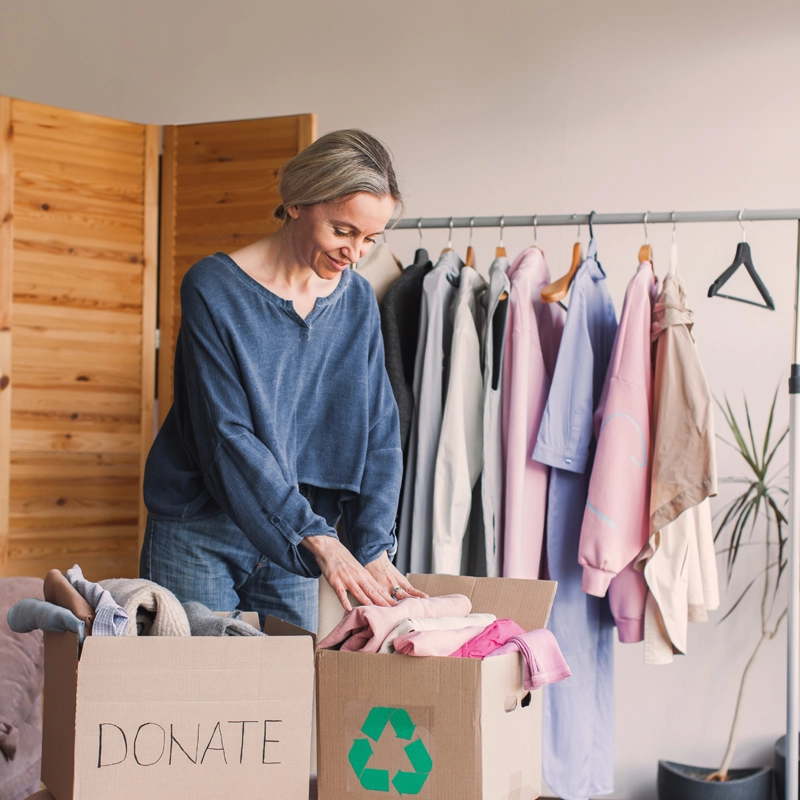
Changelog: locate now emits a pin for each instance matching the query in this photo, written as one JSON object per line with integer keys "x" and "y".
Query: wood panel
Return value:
{"x": 6, "y": 297}
{"x": 147, "y": 424}
{"x": 167, "y": 290}
{"x": 82, "y": 347}
{"x": 5, "y": 444}
{"x": 219, "y": 188}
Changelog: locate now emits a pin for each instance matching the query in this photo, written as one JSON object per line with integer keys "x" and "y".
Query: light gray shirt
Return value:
{"x": 431, "y": 372}
{"x": 492, "y": 481}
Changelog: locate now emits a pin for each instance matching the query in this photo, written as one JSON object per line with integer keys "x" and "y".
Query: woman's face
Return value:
{"x": 328, "y": 237}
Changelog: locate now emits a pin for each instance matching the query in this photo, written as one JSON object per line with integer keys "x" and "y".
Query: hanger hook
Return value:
{"x": 502, "y": 225}
{"x": 575, "y": 216}
{"x": 450, "y": 237}
{"x": 744, "y": 232}
{"x": 591, "y": 229}
{"x": 419, "y": 230}
{"x": 471, "y": 230}
{"x": 674, "y": 226}
{"x": 646, "y": 237}
{"x": 535, "y": 230}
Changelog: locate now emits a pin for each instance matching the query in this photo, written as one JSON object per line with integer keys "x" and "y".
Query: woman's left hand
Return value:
{"x": 388, "y": 576}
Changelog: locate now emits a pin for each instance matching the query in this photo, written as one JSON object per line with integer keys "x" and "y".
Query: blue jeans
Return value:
{"x": 212, "y": 562}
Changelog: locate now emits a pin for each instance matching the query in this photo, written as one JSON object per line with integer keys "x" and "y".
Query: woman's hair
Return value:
{"x": 335, "y": 166}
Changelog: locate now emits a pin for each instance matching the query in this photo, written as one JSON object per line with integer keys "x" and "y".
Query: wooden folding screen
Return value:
{"x": 78, "y": 281}
{"x": 79, "y": 213}
{"x": 219, "y": 186}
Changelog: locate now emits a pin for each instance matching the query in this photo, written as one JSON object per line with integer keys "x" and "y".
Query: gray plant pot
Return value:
{"x": 682, "y": 782}
{"x": 780, "y": 767}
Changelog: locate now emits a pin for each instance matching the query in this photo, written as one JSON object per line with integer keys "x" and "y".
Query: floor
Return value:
{"x": 312, "y": 792}
{"x": 45, "y": 795}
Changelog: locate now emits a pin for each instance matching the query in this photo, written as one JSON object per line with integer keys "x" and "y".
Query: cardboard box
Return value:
{"x": 167, "y": 718}
{"x": 435, "y": 728}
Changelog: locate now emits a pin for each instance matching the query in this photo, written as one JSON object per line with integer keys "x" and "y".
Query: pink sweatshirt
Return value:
{"x": 496, "y": 635}
{"x": 616, "y": 522}
{"x": 544, "y": 662}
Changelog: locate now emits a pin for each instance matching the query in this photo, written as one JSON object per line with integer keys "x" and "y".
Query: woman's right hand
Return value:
{"x": 345, "y": 574}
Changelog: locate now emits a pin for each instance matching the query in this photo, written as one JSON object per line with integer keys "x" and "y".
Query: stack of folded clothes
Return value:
{"x": 118, "y": 607}
{"x": 446, "y": 626}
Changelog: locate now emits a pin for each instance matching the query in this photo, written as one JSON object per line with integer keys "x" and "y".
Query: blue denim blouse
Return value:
{"x": 266, "y": 400}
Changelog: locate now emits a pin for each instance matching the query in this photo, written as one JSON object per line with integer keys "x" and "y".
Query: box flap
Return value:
{"x": 528, "y": 603}
{"x": 511, "y": 718}
{"x": 189, "y": 667}
{"x": 250, "y": 617}
{"x": 275, "y": 626}
{"x": 58, "y": 728}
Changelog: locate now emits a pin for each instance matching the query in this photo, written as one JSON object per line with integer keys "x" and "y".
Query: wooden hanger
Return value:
{"x": 450, "y": 239}
{"x": 646, "y": 250}
{"x": 558, "y": 290}
{"x": 470, "y": 259}
{"x": 500, "y": 251}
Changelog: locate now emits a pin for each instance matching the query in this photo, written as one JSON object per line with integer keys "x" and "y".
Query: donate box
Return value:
{"x": 167, "y": 718}
{"x": 435, "y": 728}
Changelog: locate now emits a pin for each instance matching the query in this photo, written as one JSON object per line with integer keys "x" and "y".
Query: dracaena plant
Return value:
{"x": 757, "y": 509}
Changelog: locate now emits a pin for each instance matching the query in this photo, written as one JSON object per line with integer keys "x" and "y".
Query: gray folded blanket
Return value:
{"x": 32, "y": 614}
{"x": 204, "y": 622}
{"x": 156, "y": 611}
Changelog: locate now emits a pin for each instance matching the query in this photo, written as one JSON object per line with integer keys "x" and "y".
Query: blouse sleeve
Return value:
{"x": 240, "y": 471}
{"x": 565, "y": 433}
{"x": 371, "y": 515}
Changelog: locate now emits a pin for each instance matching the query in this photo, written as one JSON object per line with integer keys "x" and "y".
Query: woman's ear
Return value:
{"x": 293, "y": 211}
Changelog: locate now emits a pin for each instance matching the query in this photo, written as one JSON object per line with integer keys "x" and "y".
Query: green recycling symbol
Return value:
{"x": 377, "y": 780}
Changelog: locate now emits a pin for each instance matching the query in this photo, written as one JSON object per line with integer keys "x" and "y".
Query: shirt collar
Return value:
{"x": 592, "y": 265}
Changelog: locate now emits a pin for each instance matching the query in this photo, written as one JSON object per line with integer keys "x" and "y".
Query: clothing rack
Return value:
{"x": 745, "y": 215}
{"x": 673, "y": 217}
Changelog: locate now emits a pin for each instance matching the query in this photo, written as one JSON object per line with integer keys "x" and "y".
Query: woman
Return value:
{"x": 283, "y": 419}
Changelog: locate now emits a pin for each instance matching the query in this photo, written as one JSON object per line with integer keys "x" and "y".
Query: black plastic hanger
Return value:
{"x": 421, "y": 257}
{"x": 744, "y": 258}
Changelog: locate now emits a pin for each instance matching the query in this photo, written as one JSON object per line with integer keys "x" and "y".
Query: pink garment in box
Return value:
{"x": 435, "y": 643}
{"x": 496, "y": 635}
{"x": 364, "y": 628}
{"x": 544, "y": 662}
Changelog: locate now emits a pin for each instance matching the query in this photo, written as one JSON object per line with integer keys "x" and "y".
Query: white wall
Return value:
{"x": 514, "y": 107}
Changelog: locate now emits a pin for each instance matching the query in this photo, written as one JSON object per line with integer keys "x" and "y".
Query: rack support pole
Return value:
{"x": 793, "y": 635}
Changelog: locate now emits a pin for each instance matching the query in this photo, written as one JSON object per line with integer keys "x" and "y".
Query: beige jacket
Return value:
{"x": 459, "y": 456}
{"x": 381, "y": 268}
{"x": 678, "y": 562}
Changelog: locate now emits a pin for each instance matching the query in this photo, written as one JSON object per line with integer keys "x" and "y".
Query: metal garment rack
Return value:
{"x": 673, "y": 217}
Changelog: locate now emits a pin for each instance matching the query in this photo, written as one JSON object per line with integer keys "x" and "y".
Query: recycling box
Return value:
{"x": 435, "y": 728}
{"x": 178, "y": 718}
